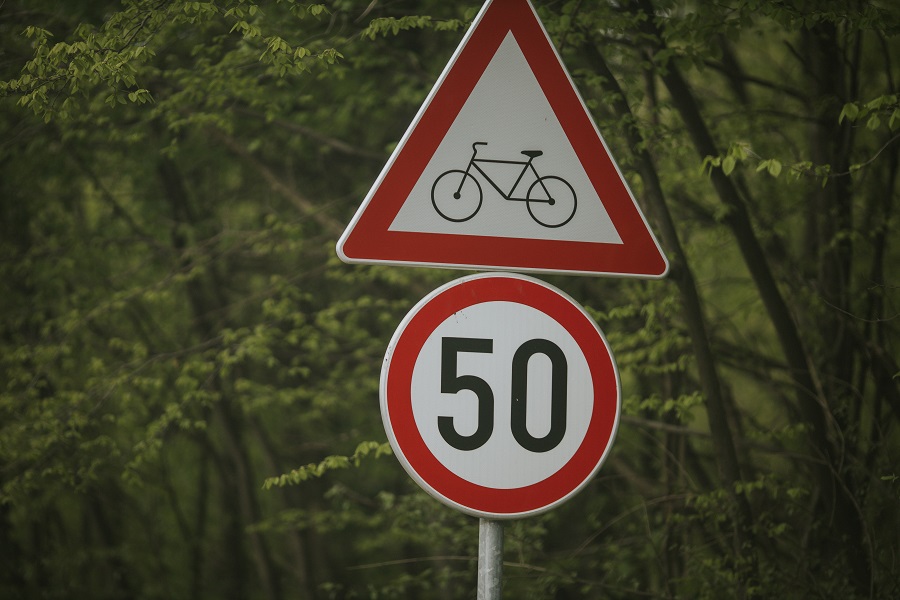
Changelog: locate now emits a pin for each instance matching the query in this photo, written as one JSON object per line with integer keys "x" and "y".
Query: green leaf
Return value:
{"x": 850, "y": 111}
{"x": 874, "y": 122}
{"x": 709, "y": 163}
{"x": 728, "y": 164}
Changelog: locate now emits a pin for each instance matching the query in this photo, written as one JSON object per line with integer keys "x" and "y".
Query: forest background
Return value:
{"x": 189, "y": 375}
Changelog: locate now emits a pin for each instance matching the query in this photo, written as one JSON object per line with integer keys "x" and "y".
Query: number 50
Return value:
{"x": 452, "y": 383}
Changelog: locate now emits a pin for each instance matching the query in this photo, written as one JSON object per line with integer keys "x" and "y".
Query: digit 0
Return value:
{"x": 558, "y": 395}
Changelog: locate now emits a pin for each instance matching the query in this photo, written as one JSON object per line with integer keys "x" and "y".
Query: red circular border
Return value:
{"x": 397, "y": 396}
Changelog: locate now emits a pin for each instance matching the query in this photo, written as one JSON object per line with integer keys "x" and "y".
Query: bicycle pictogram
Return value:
{"x": 457, "y": 195}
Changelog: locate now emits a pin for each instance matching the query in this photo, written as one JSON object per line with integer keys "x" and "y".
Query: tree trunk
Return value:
{"x": 722, "y": 433}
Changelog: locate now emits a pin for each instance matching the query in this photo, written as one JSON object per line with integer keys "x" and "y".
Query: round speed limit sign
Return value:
{"x": 499, "y": 395}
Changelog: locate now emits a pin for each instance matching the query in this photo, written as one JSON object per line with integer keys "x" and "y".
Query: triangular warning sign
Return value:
{"x": 504, "y": 168}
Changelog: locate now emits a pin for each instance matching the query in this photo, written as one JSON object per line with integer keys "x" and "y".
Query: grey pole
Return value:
{"x": 490, "y": 559}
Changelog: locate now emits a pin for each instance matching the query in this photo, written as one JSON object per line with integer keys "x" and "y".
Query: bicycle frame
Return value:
{"x": 548, "y": 209}
{"x": 473, "y": 162}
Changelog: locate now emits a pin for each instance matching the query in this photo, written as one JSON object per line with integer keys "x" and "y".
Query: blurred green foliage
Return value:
{"x": 189, "y": 376}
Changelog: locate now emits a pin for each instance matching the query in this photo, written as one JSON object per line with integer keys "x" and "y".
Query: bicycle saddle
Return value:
{"x": 532, "y": 153}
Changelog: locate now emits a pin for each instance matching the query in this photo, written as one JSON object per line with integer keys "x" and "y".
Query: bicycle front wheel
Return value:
{"x": 551, "y": 201}
{"x": 456, "y": 195}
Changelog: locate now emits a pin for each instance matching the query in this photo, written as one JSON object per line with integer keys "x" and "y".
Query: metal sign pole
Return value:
{"x": 490, "y": 559}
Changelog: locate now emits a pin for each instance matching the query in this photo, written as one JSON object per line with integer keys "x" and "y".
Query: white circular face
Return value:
{"x": 501, "y": 461}
{"x": 499, "y": 395}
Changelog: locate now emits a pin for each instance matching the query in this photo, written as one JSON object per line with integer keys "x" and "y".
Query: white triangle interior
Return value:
{"x": 508, "y": 110}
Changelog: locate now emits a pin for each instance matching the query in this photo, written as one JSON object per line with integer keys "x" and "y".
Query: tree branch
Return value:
{"x": 329, "y": 141}
{"x": 302, "y": 203}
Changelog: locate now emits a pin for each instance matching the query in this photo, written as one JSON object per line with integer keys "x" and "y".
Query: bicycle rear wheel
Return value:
{"x": 456, "y": 195}
{"x": 551, "y": 201}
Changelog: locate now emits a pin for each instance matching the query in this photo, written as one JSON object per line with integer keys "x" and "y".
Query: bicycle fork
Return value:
{"x": 466, "y": 173}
